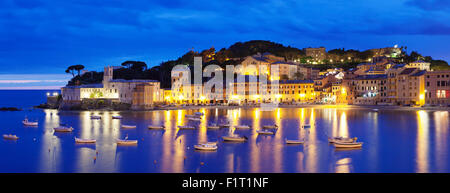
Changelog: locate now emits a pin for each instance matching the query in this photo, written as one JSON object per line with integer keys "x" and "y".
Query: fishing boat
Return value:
{"x": 348, "y": 145}
{"x": 291, "y": 141}
{"x": 29, "y": 123}
{"x": 194, "y": 119}
{"x": 126, "y": 142}
{"x": 265, "y": 132}
{"x": 206, "y": 147}
{"x": 213, "y": 126}
{"x": 270, "y": 126}
{"x": 186, "y": 127}
{"x": 117, "y": 117}
{"x": 342, "y": 140}
{"x": 10, "y": 137}
{"x": 156, "y": 127}
{"x": 63, "y": 129}
{"x": 96, "y": 117}
{"x": 79, "y": 140}
{"x": 234, "y": 138}
{"x": 199, "y": 113}
{"x": 242, "y": 127}
{"x": 128, "y": 126}
{"x": 306, "y": 126}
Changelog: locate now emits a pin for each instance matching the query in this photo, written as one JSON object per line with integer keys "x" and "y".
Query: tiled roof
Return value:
{"x": 420, "y": 73}
{"x": 296, "y": 81}
{"x": 408, "y": 71}
{"x": 86, "y": 86}
{"x": 371, "y": 77}
{"x": 132, "y": 81}
{"x": 399, "y": 66}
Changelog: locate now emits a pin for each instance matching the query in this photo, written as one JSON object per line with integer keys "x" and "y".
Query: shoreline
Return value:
{"x": 279, "y": 106}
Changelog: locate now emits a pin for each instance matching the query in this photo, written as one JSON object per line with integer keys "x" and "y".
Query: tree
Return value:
{"x": 71, "y": 70}
{"x": 78, "y": 68}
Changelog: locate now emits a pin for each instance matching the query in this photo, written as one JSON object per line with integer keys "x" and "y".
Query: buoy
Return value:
{"x": 201, "y": 163}
{"x": 95, "y": 158}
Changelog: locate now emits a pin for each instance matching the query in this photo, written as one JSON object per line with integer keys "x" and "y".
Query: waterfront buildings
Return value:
{"x": 437, "y": 87}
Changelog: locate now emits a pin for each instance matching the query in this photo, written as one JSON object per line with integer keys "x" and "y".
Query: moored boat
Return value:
{"x": 126, "y": 142}
{"x": 348, "y": 145}
{"x": 224, "y": 125}
{"x": 194, "y": 119}
{"x": 63, "y": 129}
{"x": 191, "y": 116}
{"x": 270, "y": 126}
{"x": 128, "y": 126}
{"x": 306, "y": 126}
{"x": 199, "y": 113}
{"x": 242, "y": 127}
{"x": 265, "y": 132}
{"x": 117, "y": 117}
{"x": 10, "y": 137}
{"x": 234, "y": 138}
{"x": 156, "y": 127}
{"x": 29, "y": 123}
{"x": 206, "y": 147}
{"x": 291, "y": 141}
{"x": 79, "y": 140}
{"x": 213, "y": 126}
{"x": 186, "y": 127}
{"x": 342, "y": 140}
{"x": 96, "y": 117}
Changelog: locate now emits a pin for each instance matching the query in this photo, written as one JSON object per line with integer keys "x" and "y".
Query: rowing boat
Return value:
{"x": 10, "y": 137}
{"x": 156, "y": 127}
{"x": 242, "y": 127}
{"x": 348, "y": 145}
{"x": 291, "y": 141}
{"x": 186, "y": 127}
{"x": 265, "y": 132}
{"x": 79, "y": 140}
{"x": 126, "y": 142}
{"x": 63, "y": 129}
{"x": 128, "y": 126}
{"x": 234, "y": 138}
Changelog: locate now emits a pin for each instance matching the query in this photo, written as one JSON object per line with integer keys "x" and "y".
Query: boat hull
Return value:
{"x": 65, "y": 129}
{"x": 10, "y": 137}
{"x": 348, "y": 145}
{"x": 234, "y": 139}
{"x": 127, "y": 142}
{"x": 78, "y": 140}
{"x": 155, "y": 127}
{"x": 294, "y": 142}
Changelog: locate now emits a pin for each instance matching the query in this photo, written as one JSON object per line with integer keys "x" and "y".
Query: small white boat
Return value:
{"x": 186, "y": 127}
{"x": 206, "y": 147}
{"x": 234, "y": 138}
{"x": 126, "y": 142}
{"x": 199, "y": 113}
{"x": 348, "y": 145}
{"x": 194, "y": 119}
{"x": 212, "y": 142}
{"x": 213, "y": 126}
{"x": 128, "y": 126}
{"x": 79, "y": 140}
{"x": 270, "y": 126}
{"x": 156, "y": 127}
{"x": 117, "y": 117}
{"x": 306, "y": 126}
{"x": 265, "y": 132}
{"x": 224, "y": 125}
{"x": 291, "y": 141}
{"x": 96, "y": 117}
{"x": 242, "y": 127}
{"x": 63, "y": 129}
{"x": 375, "y": 109}
{"x": 29, "y": 123}
{"x": 342, "y": 140}
{"x": 10, "y": 137}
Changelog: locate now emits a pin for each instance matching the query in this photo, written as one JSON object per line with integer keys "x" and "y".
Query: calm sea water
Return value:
{"x": 394, "y": 141}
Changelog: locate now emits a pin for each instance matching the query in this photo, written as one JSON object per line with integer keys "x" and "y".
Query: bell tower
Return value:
{"x": 107, "y": 75}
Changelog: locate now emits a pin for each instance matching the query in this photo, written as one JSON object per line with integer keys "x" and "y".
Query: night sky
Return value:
{"x": 43, "y": 37}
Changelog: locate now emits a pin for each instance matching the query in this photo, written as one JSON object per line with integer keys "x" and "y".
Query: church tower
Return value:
{"x": 107, "y": 75}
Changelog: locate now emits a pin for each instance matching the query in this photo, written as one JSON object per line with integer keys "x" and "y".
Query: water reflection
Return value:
{"x": 171, "y": 150}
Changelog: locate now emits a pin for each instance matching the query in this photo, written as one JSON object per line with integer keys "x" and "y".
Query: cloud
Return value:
{"x": 430, "y": 5}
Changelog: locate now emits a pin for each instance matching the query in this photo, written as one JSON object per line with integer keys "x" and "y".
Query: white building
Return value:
{"x": 422, "y": 65}
{"x": 113, "y": 89}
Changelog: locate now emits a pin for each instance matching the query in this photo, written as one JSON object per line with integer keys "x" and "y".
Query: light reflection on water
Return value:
{"x": 394, "y": 141}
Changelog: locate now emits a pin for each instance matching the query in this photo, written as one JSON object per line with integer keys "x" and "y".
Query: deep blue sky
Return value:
{"x": 45, "y": 36}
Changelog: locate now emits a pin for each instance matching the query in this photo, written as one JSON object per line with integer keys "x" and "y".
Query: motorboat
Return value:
{"x": 306, "y": 126}
{"x": 213, "y": 126}
{"x": 342, "y": 140}
{"x": 156, "y": 127}
{"x": 206, "y": 147}
{"x": 292, "y": 141}
{"x": 117, "y": 117}
{"x": 265, "y": 132}
{"x": 242, "y": 127}
{"x": 348, "y": 145}
{"x": 63, "y": 129}
{"x": 128, "y": 126}
{"x": 96, "y": 117}
{"x": 186, "y": 127}
{"x": 29, "y": 123}
{"x": 10, "y": 137}
{"x": 270, "y": 126}
{"x": 234, "y": 138}
{"x": 126, "y": 142}
{"x": 199, "y": 113}
{"x": 79, "y": 140}
{"x": 194, "y": 119}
